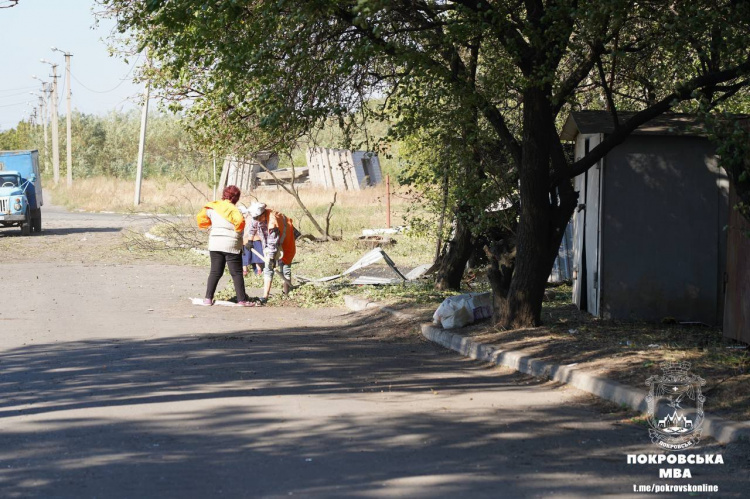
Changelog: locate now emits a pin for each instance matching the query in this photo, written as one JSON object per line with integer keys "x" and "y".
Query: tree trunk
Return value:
{"x": 460, "y": 248}
{"x": 453, "y": 261}
{"x": 533, "y": 238}
{"x": 501, "y": 253}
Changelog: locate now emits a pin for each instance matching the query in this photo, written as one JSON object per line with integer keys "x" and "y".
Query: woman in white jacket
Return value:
{"x": 225, "y": 224}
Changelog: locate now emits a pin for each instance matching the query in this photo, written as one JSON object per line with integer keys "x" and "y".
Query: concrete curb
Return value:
{"x": 722, "y": 430}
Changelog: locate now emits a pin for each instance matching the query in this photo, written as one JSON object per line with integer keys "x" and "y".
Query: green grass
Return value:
{"x": 332, "y": 295}
{"x": 314, "y": 259}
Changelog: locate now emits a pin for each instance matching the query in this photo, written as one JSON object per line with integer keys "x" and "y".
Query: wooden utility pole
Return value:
{"x": 388, "y": 201}
{"x": 68, "y": 136}
{"x": 44, "y": 106}
{"x": 55, "y": 131}
{"x": 141, "y": 147}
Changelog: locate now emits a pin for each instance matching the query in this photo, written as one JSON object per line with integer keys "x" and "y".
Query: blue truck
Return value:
{"x": 20, "y": 191}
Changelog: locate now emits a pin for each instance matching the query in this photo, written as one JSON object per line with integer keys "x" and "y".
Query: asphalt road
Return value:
{"x": 113, "y": 385}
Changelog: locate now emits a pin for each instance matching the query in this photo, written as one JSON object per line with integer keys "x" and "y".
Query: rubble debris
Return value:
{"x": 369, "y": 258}
{"x": 380, "y": 232}
{"x": 375, "y": 241}
{"x": 420, "y": 271}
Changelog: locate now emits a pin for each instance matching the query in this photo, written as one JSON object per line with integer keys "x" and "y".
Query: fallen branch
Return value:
{"x": 328, "y": 215}
{"x": 194, "y": 187}
{"x": 289, "y": 188}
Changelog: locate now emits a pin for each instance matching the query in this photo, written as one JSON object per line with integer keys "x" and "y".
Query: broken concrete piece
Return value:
{"x": 378, "y": 232}
{"x": 418, "y": 271}
{"x": 375, "y": 241}
{"x": 368, "y": 259}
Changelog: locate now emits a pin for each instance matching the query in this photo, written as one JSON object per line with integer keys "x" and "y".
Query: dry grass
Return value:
{"x": 353, "y": 211}
{"x": 112, "y": 194}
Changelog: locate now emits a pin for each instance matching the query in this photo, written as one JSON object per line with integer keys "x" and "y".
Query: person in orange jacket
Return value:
{"x": 226, "y": 225}
{"x": 277, "y": 234}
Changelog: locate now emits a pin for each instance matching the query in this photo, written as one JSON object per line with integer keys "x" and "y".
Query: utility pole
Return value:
{"x": 43, "y": 117}
{"x": 55, "y": 133}
{"x": 45, "y": 120}
{"x": 44, "y": 98}
{"x": 68, "y": 136}
{"x": 141, "y": 147}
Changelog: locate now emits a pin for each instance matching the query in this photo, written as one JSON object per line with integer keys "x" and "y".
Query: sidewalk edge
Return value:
{"x": 720, "y": 429}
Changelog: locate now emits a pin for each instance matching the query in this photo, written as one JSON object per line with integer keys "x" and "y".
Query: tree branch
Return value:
{"x": 490, "y": 112}
{"x": 681, "y": 93}
{"x": 508, "y": 34}
{"x": 608, "y": 93}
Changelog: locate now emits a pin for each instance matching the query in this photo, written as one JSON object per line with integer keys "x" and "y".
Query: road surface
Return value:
{"x": 112, "y": 385}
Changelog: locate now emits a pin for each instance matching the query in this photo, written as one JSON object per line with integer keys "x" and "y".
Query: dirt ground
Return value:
{"x": 628, "y": 352}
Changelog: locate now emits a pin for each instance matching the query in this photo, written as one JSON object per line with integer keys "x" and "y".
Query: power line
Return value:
{"x": 16, "y": 104}
{"x": 19, "y": 88}
{"x": 122, "y": 80}
{"x": 13, "y": 95}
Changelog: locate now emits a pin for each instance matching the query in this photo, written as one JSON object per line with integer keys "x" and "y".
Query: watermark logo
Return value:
{"x": 675, "y": 406}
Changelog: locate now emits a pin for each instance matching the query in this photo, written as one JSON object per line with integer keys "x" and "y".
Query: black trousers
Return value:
{"x": 234, "y": 262}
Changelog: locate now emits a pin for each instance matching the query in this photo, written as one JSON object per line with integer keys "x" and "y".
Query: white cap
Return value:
{"x": 256, "y": 209}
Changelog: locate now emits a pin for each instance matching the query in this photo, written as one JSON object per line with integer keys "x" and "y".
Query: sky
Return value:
{"x": 99, "y": 82}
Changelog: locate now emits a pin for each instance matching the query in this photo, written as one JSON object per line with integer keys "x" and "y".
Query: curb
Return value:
{"x": 720, "y": 429}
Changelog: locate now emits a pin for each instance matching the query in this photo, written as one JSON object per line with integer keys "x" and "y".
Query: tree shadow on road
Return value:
{"x": 78, "y": 230}
{"x": 278, "y": 412}
{"x": 64, "y": 231}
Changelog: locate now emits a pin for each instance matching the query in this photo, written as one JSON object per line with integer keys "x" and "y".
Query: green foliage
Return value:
{"x": 309, "y": 296}
{"x": 732, "y": 136}
{"x": 108, "y": 146}
{"x": 19, "y": 138}
{"x": 418, "y": 293}
{"x": 256, "y": 75}
{"x": 474, "y": 90}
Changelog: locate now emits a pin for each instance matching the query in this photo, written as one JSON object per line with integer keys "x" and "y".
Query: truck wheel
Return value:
{"x": 26, "y": 226}
{"x": 36, "y": 221}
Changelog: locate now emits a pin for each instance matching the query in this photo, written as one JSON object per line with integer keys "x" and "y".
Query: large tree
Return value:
{"x": 259, "y": 72}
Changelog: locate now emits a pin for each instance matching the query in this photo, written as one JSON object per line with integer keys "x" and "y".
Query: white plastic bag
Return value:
{"x": 481, "y": 305}
{"x": 460, "y": 310}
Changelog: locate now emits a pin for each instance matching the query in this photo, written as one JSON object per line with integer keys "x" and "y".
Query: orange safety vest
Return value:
{"x": 287, "y": 244}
